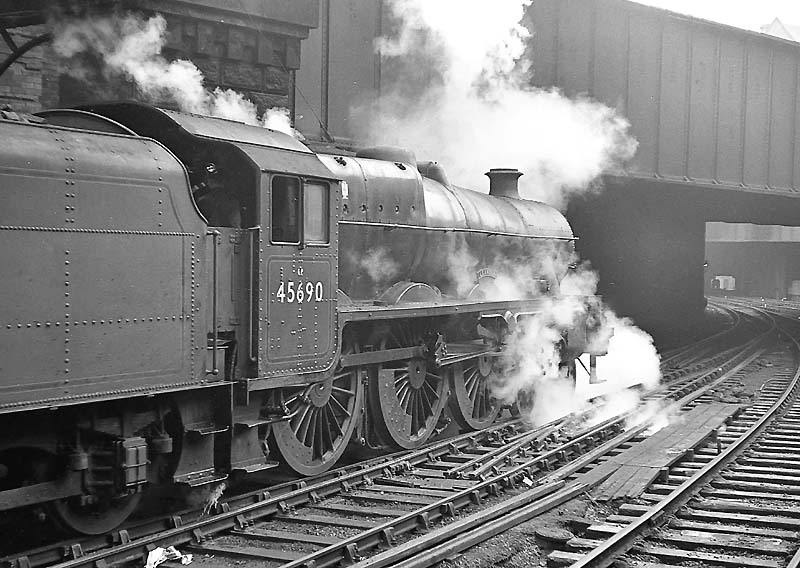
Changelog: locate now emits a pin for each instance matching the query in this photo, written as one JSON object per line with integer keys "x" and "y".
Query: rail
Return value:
{"x": 611, "y": 549}
{"x": 498, "y": 470}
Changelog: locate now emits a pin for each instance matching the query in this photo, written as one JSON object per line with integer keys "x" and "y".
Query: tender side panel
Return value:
{"x": 32, "y": 310}
{"x": 101, "y": 255}
{"x": 126, "y": 324}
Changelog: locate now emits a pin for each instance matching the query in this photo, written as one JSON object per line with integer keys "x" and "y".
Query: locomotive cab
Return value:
{"x": 272, "y": 253}
{"x": 272, "y": 202}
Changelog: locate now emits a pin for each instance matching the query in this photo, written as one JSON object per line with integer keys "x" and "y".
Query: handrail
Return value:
{"x": 214, "y": 233}
{"x": 254, "y": 231}
{"x": 488, "y": 232}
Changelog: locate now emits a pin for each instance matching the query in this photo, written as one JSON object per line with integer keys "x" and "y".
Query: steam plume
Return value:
{"x": 529, "y": 369}
{"x": 631, "y": 359}
{"x": 130, "y": 46}
{"x": 456, "y": 90}
{"x": 378, "y": 264}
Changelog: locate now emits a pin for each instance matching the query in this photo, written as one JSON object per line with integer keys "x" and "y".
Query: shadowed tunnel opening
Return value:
{"x": 744, "y": 259}
{"x": 648, "y": 241}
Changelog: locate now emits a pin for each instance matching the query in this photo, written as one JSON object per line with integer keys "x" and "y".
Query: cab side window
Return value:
{"x": 285, "y": 210}
{"x": 316, "y": 214}
{"x": 300, "y": 211}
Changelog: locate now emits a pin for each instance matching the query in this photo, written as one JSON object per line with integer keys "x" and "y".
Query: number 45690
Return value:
{"x": 292, "y": 292}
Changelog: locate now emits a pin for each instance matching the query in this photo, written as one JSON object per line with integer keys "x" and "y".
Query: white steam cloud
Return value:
{"x": 457, "y": 90}
{"x": 461, "y": 97}
{"x": 130, "y": 46}
{"x": 378, "y": 264}
{"x": 278, "y": 119}
{"x": 530, "y": 373}
{"x": 629, "y": 357}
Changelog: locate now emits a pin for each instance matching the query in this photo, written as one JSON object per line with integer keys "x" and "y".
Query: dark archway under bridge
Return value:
{"x": 647, "y": 240}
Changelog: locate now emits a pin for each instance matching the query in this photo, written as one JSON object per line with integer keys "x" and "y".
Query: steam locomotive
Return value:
{"x": 188, "y": 298}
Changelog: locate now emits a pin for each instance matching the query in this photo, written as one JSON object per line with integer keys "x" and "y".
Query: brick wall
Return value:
{"x": 256, "y": 63}
{"x": 23, "y": 86}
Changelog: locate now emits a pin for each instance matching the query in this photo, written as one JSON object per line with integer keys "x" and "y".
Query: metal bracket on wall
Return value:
{"x": 17, "y": 52}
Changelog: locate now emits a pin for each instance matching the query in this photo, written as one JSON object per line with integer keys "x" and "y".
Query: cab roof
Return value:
{"x": 270, "y": 150}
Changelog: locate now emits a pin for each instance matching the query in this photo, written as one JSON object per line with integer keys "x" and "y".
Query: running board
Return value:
{"x": 456, "y": 353}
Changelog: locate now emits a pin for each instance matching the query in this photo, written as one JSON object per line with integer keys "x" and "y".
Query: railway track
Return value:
{"x": 733, "y": 501}
{"x": 680, "y": 358}
{"x": 438, "y": 500}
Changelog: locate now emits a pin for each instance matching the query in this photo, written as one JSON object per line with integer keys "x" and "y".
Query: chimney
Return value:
{"x": 503, "y": 182}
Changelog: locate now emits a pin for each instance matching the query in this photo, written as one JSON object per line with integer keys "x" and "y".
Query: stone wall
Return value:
{"x": 257, "y": 64}
{"x": 31, "y": 82}
{"x": 257, "y": 58}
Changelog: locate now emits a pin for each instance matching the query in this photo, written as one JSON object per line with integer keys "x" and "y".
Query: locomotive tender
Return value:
{"x": 187, "y": 298}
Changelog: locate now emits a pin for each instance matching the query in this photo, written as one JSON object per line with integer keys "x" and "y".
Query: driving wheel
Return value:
{"x": 472, "y": 405}
{"x": 323, "y": 416}
{"x": 407, "y": 396}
